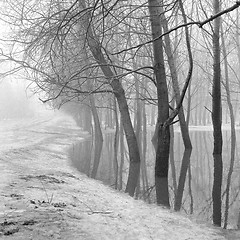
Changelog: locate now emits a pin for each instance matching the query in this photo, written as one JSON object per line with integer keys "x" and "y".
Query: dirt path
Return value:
{"x": 42, "y": 197}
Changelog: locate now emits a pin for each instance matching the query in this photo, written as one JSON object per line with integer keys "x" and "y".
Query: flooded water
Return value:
{"x": 197, "y": 196}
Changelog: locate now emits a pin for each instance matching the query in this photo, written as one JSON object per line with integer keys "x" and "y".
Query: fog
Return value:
{"x": 18, "y": 102}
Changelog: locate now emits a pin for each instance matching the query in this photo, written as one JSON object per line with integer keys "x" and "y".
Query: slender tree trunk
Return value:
{"x": 121, "y": 143}
{"x": 233, "y": 132}
{"x": 152, "y": 120}
{"x": 144, "y": 146}
{"x": 171, "y": 155}
{"x": 217, "y": 121}
{"x": 96, "y": 50}
{"x": 138, "y": 109}
{"x": 87, "y": 118}
{"x": 175, "y": 84}
{"x": 237, "y": 39}
{"x": 189, "y": 101}
{"x": 116, "y": 143}
{"x": 182, "y": 179}
{"x": 238, "y": 54}
{"x": 138, "y": 122}
{"x": 163, "y": 133}
{"x": 190, "y": 188}
{"x": 183, "y": 124}
{"x": 98, "y": 138}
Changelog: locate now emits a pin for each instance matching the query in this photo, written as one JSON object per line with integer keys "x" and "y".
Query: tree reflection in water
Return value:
{"x": 196, "y": 194}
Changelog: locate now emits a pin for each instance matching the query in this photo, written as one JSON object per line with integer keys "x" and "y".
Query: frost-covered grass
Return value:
{"x": 43, "y": 197}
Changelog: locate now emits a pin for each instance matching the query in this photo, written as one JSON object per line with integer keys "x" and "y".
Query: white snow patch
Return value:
{"x": 34, "y": 164}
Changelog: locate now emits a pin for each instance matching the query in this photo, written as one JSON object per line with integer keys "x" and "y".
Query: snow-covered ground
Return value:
{"x": 43, "y": 197}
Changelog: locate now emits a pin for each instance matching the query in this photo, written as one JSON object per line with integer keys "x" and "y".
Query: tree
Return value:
{"x": 69, "y": 44}
{"x": 233, "y": 131}
{"x": 163, "y": 132}
{"x": 96, "y": 50}
{"x": 217, "y": 119}
{"x": 181, "y": 115}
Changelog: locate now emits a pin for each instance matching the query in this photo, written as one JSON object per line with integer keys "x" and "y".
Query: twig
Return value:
{"x": 49, "y": 200}
{"x": 198, "y": 23}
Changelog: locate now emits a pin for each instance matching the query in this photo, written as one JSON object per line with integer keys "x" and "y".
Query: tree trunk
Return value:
{"x": 116, "y": 143}
{"x": 233, "y": 132}
{"x": 238, "y": 54}
{"x": 183, "y": 124}
{"x": 190, "y": 188}
{"x": 96, "y": 50}
{"x": 138, "y": 122}
{"x": 121, "y": 143}
{"x": 87, "y": 118}
{"x": 189, "y": 101}
{"x": 163, "y": 133}
{"x": 144, "y": 145}
{"x": 217, "y": 121}
{"x": 152, "y": 119}
{"x": 172, "y": 160}
{"x": 98, "y": 138}
{"x": 175, "y": 84}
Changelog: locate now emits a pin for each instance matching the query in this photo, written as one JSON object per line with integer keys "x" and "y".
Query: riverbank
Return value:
{"x": 43, "y": 197}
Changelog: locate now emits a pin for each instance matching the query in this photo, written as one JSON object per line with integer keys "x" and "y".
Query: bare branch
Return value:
{"x": 198, "y": 23}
